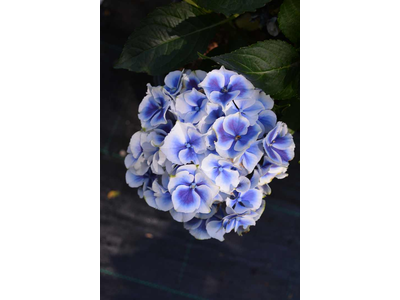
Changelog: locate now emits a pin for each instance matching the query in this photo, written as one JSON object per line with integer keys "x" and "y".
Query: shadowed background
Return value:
{"x": 145, "y": 254}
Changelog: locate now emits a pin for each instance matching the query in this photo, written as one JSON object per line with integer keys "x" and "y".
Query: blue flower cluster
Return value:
{"x": 209, "y": 147}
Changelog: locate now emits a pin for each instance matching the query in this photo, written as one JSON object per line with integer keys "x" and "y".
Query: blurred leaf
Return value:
{"x": 271, "y": 65}
{"x": 113, "y": 194}
{"x": 289, "y": 20}
{"x": 149, "y": 235}
{"x": 230, "y": 7}
{"x": 168, "y": 38}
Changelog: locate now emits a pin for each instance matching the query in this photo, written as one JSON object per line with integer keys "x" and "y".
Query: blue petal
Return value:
{"x": 185, "y": 200}
{"x": 191, "y": 169}
{"x": 150, "y": 199}
{"x": 251, "y": 199}
{"x": 206, "y": 197}
{"x": 215, "y": 230}
{"x": 244, "y": 222}
{"x": 273, "y": 155}
{"x": 187, "y": 156}
{"x": 251, "y": 157}
{"x": 133, "y": 180}
{"x": 214, "y": 81}
{"x": 224, "y": 140}
{"x": 173, "y": 83}
{"x": 211, "y": 138}
{"x": 259, "y": 211}
{"x": 286, "y": 155}
{"x": 164, "y": 202}
{"x": 236, "y": 125}
{"x": 214, "y": 209}
{"x": 227, "y": 180}
{"x": 227, "y": 74}
{"x": 284, "y": 142}
{"x": 172, "y": 80}
{"x": 191, "y": 79}
{"x": 214, "y": 111}
{"x": 210, "y": 166}
{"x": 182, "y": 106}
{"x": 181, "y": 217}
{"x": 244, "y": 184}
{"x": 196, "y": 140}
{"x": 183, "y": 178}
{"x": 267, "y": 118}
{"x": 158, "y": 95}
{"x": 135, "y": 144}
{"x": 241, "y": 84}
{"x": 147, "y": 108}
{"x": 210, "y": 162}
{"x": 223, "y": 99}
{"x": 271, "y": 136}
{"x": 229, "y": 225}
{"x": 200, "y": 232}
{"x": 246, "y": 140}
{"x": 252, "y": 113}
{"x": 159, "y": 118}
{"x": 266, "y": 100}
{"x": 192, "y": 224}
{"x": 194, "y": 98}
{"x": 129, "y": 160}
{"x": 174, "y": 143}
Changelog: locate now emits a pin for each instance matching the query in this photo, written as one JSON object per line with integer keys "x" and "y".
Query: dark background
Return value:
{"x": 145, "y": 254}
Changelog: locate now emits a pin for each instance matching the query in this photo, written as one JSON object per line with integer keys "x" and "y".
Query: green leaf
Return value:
{"x": 271, "y": 65}
{"x": 230, "y": 7}
{"x": 289, "y": 20}
{"x": 169, "y": 38}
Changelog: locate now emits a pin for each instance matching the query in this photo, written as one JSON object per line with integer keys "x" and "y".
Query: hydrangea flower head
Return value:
{"x": 210, "y": 145}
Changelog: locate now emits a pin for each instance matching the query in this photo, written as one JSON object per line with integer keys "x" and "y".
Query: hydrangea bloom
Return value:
{"x": 191, "y": 106}
{"x": 279, "y": 145}
{"x": 153, "y": 108}
{"x": 209, "y": 147}
{"x": 234, "y": 135}
{"x": 222, "y": 86}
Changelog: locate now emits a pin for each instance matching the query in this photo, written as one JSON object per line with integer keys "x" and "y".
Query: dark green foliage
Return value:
{"x": 272, "y": 66}
{"x": 169, "y": 38}
{"x": 230, "y": 7}
{"x": 289, "y": 20}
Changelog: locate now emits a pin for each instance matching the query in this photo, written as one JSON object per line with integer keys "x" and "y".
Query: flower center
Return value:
{"x": 193, "y": 186}
{"x": 224, "y": 90}
{"x": 197, "y": 108}
{"x": 220, "y": 169}
{"x": 237, "y": 137}
{"x": 188, "y": 145}
{"x": 273, "y": 142}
